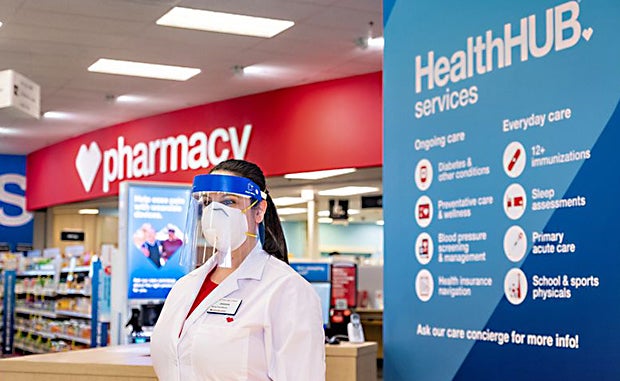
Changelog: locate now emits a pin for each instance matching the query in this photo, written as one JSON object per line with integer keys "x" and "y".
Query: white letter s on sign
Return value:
{"x": 13, "y": 199}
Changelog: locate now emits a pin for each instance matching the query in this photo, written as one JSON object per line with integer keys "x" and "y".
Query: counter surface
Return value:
{"x": 345, "y": 361}
{"x": 117, "y": 363}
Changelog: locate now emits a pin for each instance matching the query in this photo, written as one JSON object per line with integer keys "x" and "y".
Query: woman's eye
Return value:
{"x": 228, "y": 202}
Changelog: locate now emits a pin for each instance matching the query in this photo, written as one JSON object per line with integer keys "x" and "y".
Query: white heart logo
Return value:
{"x": 587, "y": 33}
{"x": 87, "y": 164}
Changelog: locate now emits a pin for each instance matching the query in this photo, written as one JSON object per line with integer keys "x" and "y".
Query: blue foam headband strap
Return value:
{"x": 228, "y": 184}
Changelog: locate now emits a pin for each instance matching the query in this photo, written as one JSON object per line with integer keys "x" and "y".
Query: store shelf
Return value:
{"x": 28, "y": 348}
{"x": 52, "y": 293}
{"x": 38, "y": 333}
{"x": 73, "y": 292}
{"x": 73, "y": 338}
{"x": 33, "y": 311}
{"x": 38, "y": 293}
{"x": 36, "y": 273}
{"x": 77, "y": 269}
{"x": 73, "y": 314}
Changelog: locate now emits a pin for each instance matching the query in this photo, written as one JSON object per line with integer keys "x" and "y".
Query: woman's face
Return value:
{"x": 254, "y": 213}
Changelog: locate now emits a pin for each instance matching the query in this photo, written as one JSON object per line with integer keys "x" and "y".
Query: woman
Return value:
{"x": 244, "y": 314}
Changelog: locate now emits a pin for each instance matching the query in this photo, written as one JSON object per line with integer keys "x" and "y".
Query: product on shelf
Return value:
{"x": 53, "y": 304}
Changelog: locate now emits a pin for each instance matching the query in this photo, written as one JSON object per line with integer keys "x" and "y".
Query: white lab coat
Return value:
{"x": 276, "y": 334}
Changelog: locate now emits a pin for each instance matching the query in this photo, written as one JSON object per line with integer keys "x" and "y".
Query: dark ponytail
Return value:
{"x": 274, "y": 243}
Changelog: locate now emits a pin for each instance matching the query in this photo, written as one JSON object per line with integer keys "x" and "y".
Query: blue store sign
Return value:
{"x": 16, "y": 224}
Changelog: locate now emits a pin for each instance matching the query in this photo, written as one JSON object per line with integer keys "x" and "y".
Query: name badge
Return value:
{"x": 225, "y": 306}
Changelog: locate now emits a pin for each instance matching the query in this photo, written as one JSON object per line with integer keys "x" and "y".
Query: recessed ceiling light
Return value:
{"x": 286, "y": 201}
{"x": 142, "y": 69}
{"x": 220, "y": 22}
{"x": 319, "y": 174}
{"x": 1, "y": 24}
{"x": 347, "y": 191}
{"x": 376, "y": 42}
{"x": 380, "y": 222}
{"x": 289, "y": 211}
{"x": 130, "y": 99}
{"x": 88, "y": 211}
{"x": 325, "y": 220}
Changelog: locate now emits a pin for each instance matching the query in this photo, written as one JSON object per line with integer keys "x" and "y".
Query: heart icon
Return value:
{"x": 87, "y": 164}
{"x": 229, "y": 319}
{"x": 587, "y": 33}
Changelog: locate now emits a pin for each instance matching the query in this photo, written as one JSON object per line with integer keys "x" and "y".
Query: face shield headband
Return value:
{"x": 227, "y": 184}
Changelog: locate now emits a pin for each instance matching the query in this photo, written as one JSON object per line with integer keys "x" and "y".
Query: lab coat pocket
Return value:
{"x": 221, "y": 353}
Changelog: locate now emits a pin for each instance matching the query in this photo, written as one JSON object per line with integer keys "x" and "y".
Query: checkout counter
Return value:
{"x": 344, "y": 362}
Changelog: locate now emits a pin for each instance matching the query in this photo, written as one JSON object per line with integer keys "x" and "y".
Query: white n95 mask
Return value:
{"x": 225, "y": 229}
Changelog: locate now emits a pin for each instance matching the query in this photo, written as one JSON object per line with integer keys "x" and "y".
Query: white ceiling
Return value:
{"x": 53, "y": 42}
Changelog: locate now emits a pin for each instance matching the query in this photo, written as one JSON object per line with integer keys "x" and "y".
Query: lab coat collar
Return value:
{"x": 251, "y": 268}
{"x": 253, "y": 265}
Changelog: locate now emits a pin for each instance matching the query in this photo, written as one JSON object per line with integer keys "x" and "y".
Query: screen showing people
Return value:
{"x": 159, "y": 246}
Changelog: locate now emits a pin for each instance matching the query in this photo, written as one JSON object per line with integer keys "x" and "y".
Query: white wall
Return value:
{"x": 353, "y": 238}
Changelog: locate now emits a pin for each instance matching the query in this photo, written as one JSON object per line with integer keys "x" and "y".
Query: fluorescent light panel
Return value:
{"x": 56, "y": 115}
{"x": 316, "y": 175}
{"x": 286, "y": 201}
{"x": 325, "y": 213}
{"x": 220, "y": 22}
{"x": 8, "y": 131}
{"x": 88, "y": 211}
{"x": 325, "y": 220}
{"x": 142, "y": 69}
{"x": 289, "y": 211}
{"x": 254, "y": 70}
{"x": 126, "y": 98}
{"x": 347, "y": 191}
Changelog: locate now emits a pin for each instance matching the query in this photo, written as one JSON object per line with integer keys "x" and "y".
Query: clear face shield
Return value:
{"x": 221, "y": 218}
